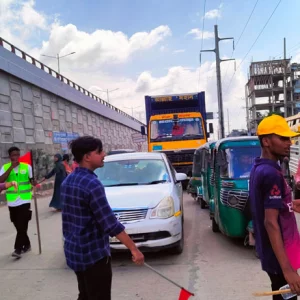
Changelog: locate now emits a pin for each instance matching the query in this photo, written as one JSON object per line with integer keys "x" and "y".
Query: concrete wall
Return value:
{"x": 29, "y": 116}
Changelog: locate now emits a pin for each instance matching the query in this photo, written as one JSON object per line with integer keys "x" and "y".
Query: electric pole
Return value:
{"x": 219, "y": 83}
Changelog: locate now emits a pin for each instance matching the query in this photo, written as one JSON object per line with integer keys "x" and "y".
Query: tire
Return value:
{"x": 214, "y": 225}
{"x": 202, "y": 204}
{"x": 178, "y": 248}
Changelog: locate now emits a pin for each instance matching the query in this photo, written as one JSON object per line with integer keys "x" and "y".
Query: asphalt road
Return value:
{"x": 212, "y": 266}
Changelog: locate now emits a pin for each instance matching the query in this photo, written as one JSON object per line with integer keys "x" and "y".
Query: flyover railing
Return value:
{"x": 8, "y": 46}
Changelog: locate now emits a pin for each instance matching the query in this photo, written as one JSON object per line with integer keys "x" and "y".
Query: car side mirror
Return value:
{"x": 143, "y": 130}
{"x": 211, "y": 128}
{"x": 181, "y": 177}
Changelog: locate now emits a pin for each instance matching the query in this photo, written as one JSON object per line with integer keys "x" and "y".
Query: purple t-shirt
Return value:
{"x": 268, "y": 189}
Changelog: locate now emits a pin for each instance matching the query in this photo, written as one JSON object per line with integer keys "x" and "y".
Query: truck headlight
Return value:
{"x": 164, "y": 210}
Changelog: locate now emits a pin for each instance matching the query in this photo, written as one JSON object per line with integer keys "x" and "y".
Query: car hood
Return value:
{"x": 137, "y": 196}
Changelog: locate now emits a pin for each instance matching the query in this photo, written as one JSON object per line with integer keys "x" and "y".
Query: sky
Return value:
{"x": 135, "y": 48}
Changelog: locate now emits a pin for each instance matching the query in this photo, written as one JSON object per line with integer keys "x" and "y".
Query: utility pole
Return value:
{"x": 228, "y": 121}
{"x": 107, "y": 91}
{"x": 284, "y": 80}
{"x": 219, "y": 84}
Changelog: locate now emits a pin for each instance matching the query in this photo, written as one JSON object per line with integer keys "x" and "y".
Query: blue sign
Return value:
{"x": 64, "y": 137}
{"x": 157, "y": 147}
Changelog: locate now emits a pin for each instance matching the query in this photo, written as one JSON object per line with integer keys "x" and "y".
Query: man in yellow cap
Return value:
{"x": 276, "y": 234}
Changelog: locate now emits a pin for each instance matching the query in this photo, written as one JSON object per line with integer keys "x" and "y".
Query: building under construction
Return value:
{"x": 273, "y": 86}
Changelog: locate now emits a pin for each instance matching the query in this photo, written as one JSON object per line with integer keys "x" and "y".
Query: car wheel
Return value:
{"x": 178, "y": 249}
{"x": 214, "y": 225}
{"x": 202, "y": 204}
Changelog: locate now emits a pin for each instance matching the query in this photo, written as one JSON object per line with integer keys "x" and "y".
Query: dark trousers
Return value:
{"x": 278, "y": 281}
{"x": 95, "y": 282}
{"x": 20, "y": 216}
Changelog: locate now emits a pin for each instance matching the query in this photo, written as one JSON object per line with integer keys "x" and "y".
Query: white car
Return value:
{"x": 145, "y": 194}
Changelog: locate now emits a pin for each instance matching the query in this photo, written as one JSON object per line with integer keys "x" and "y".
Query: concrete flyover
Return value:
{"x": 42, "y": 110}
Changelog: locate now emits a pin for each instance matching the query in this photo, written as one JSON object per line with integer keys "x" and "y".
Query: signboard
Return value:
{"x": 64, "y": 137}
{"x": 138, "y": 138}
{"x": 174, "y": 98}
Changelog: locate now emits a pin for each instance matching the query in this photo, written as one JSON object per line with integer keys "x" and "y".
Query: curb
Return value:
{"x": 42, "y": 190}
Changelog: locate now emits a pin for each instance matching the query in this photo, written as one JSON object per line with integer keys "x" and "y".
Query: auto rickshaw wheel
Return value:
{"x": 214, "y": 225}
{"x": 202, "y": 203}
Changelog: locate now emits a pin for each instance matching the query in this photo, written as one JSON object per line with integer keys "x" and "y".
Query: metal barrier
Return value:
{"x": 8, "y": 46}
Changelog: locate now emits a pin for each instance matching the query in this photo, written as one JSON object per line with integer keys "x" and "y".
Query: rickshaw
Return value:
{"x": 234, "y": 158}
{"x": 202, "y": 174}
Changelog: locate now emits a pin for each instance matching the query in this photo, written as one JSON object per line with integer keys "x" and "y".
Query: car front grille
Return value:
{"x": 144, "y": 237}
{"x": 133, "y": 215}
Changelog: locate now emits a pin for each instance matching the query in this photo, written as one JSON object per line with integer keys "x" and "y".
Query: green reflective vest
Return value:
{"x": 24, "y": 185}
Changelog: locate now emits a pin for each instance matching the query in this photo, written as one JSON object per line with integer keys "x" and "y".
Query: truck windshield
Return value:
{"x": 240, "y": 161}
{"x": 180, "y": 129}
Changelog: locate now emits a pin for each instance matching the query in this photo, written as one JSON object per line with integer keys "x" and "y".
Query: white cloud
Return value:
{"x": 212, "y": 14}
{"x": 100, "y": 46}
{"x": 179, "y": 51}
{"x": 31, "y": 17}
{"x": 197, "y": 33}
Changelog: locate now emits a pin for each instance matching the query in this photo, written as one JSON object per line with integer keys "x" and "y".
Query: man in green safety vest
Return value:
{"x": 18, "y": 200}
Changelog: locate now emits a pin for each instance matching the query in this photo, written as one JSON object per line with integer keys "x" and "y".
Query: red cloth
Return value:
{"x": 26, "y": 158}
{"x": 184, "y": 294}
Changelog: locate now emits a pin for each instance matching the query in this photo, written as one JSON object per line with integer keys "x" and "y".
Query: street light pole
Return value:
{"x": 107, "y": 92}
{"x": 132, "y": 108}
{"x": 58, "y": 58}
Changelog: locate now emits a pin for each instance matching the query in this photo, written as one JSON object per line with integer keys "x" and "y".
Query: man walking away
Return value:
{"x": 18, "y": 200}
{"x": 275, "y": 227}
{"x": 88, "y": 221}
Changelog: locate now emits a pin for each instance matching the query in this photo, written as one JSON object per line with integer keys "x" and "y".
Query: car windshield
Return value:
{"x": 183, "y": 129}
{"x": 133, "y": 172}
{"x": 241, "y": 160}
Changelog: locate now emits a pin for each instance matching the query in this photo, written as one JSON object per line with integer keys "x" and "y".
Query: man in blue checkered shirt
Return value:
{"x": 88, "y": 221}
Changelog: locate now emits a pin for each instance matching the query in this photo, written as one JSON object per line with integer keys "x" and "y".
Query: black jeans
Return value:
{"x": 95, "y": 282}
{"x": 278, "y": 281}
{"x": 20, "y": 216}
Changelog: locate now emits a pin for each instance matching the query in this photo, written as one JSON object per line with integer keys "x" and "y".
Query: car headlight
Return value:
{"x": 164, "y": 210}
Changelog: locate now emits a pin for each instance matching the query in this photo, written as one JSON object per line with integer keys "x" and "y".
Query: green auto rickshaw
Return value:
{"x": 234, "y": 158}
{"x": 202, "y": 174}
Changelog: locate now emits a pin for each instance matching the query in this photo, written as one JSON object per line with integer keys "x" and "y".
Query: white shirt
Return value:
{"x": 18, "y": 202}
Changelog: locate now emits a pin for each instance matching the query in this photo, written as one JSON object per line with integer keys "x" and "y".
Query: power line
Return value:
{"x": 250, "y": 16}
{"x": 199, "y": 76}
{"x": 262, "y": 30}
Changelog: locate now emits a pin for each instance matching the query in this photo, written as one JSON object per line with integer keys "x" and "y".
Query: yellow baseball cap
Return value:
{"x": 275, "y": 124}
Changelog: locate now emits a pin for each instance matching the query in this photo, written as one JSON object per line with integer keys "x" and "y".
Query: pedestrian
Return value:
{"x": 74, "y": 165}
{"x": 276, "y": 233}
{"x": 18, "y": 200}
{"x": 88, "y": 221}
{"x": 60, "y": 175}
{"x": 65, "y": 161}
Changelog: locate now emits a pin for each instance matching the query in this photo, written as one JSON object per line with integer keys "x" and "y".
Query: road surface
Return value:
{"x": 212, "y": 266}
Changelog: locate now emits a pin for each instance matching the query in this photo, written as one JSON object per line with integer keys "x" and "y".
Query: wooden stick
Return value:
{"x": 259, "y": 294}
{"x": 37, "y": 221}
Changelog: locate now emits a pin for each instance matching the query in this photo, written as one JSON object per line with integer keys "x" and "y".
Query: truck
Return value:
{"x": 177, "y": 126}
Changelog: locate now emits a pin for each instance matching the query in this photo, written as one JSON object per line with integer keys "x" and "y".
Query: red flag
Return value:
{"x": 26, "y": 158}
{"x": 184, "y": 294}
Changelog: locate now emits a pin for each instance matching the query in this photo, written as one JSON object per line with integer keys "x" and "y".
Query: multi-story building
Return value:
{"x": 264, "y": 91}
